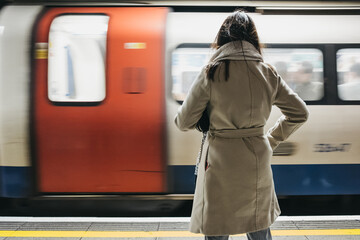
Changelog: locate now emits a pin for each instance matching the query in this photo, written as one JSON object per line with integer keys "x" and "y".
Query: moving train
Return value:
{"x": 88, "y": 96}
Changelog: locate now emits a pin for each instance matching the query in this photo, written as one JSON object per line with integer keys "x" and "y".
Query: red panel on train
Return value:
{"x": 119, "y": 144}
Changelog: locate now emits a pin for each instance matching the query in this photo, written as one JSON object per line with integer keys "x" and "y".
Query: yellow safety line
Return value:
{"x": 314, "y": 232}
{"x": 142, "y": 234}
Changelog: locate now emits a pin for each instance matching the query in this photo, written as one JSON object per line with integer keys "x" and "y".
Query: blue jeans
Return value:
{"x": 259, "y": 235}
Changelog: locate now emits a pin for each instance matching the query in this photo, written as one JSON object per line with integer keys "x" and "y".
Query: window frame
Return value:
{"x": 84, "y": 103}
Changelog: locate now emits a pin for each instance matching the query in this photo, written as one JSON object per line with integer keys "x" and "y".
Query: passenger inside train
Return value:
{"x": 304, "y": 85}
{"x": 350, "y": 89}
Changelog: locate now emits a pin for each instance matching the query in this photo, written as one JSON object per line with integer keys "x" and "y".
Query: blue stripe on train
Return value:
{"x": 312, "y": 179}
{"x": 316, "y": 179}
{"x": 15, "y": 182}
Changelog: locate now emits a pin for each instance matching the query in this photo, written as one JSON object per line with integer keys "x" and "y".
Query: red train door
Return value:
{"x": 99, "y": 125}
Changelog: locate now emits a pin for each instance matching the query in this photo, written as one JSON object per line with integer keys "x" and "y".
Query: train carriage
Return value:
{"x": 88, "y": 96}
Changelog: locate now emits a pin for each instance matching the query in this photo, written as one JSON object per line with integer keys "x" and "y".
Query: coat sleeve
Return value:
{"x": 294, "y": 110}
{"x": 195, "y": 103}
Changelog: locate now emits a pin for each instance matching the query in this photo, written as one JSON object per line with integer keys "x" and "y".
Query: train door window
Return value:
{"x": 348, "y": 71}
{"x": 76, "y": 61}
{"x": 301, "y": 68}
{"x": 186, "y": 65}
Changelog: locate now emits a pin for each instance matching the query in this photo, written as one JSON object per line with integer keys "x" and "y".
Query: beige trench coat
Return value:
{"x": 236, "y": 193}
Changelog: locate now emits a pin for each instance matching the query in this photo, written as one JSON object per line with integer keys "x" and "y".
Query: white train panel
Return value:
{"x": 15, "y": 38}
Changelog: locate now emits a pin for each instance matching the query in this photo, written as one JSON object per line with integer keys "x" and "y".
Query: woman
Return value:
{"x": 234, "y": 190}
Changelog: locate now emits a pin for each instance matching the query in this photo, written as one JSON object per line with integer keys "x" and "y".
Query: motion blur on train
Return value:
{"x": 88, "y": 96}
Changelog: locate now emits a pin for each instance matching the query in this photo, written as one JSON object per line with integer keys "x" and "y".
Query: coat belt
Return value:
{"x": 237, "y": 133}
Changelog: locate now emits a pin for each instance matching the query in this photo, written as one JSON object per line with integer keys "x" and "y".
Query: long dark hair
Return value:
{"x": 238, "y": 26}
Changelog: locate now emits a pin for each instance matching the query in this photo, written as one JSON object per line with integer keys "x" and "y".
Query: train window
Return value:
{"x": 76, "y": 61}
{"x": 301, "y": 68}
{"x": 348, "y": 70}
{"x": 186, "y": 65}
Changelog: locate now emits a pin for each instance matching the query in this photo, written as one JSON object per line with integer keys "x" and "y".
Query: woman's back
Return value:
{"x": 245, "y": 99}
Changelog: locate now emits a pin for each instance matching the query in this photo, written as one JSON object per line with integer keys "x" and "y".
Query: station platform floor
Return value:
{"x": 85, "y": 228}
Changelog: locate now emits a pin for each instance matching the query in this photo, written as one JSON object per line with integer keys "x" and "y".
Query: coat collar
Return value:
{"x": 237, "y": 51}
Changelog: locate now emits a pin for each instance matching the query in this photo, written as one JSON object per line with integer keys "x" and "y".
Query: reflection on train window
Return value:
{"x": 301, "y": 68}
{"x": 186, "y": 65}
{"x": 77, "y": 48}
{"x": 348, "y": 70}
